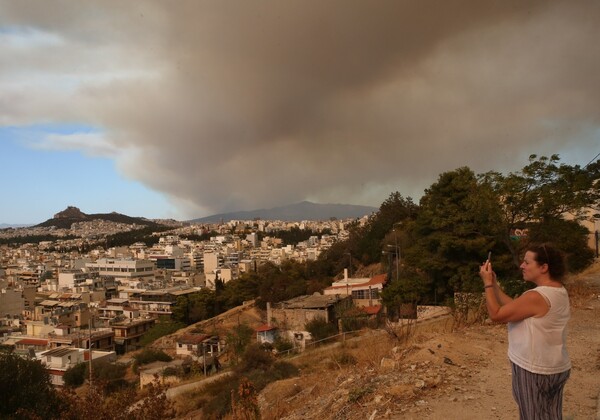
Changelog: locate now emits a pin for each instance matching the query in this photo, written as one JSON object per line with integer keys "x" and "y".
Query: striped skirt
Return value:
{"x": 539, "y": 397}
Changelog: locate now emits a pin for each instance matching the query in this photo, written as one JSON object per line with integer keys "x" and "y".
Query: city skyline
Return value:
{"x": 183, "y": 112}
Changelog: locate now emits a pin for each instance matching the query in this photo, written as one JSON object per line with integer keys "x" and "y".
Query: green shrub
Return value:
{"x": 282, "y": 344}
{"x": 75, "y": 375}
{"x": 170, "y": 371}
{"x": 255, "y": 358}
{"x": 319, "y": 329}
{"x": 148, "y": 356}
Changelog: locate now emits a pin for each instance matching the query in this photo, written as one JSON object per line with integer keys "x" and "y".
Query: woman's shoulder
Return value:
{"x": 551, "y": 289}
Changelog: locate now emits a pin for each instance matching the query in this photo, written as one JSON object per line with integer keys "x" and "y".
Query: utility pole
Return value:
{"x": 90, "y": 346}
{"x": 204, "y": 356}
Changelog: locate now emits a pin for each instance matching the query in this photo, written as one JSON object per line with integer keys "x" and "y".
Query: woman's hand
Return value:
{"x": 487, "y": 274}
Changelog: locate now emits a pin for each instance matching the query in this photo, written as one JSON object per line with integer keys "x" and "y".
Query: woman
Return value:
{"x": 537, "y": 322}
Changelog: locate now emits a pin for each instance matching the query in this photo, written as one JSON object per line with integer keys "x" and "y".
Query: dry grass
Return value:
{"x": 584, "y": 286}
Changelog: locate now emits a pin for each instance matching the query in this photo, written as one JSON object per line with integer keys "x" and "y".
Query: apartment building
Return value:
{"x": 365, "y": 292}
{"x": 123, "y": 269}
{"x": 129, "y": 333}
{"x": 68, "y": 279}
{"x": 155, "y": 303}
{"x": 58, "y": 360}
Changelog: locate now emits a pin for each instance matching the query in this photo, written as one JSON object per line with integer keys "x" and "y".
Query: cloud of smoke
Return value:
{"x": 239, "y": 105}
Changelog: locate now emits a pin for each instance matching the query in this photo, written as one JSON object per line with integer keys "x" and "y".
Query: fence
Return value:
{"x": 314, "y": 343}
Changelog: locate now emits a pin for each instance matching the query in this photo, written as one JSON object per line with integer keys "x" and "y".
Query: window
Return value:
{"x": 364, "y": 294}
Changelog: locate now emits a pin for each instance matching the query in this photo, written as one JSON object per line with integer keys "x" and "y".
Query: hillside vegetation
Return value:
{"x": 428, "y": 370}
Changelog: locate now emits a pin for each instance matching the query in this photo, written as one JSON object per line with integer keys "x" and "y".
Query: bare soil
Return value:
{"x": 437, "y": 373}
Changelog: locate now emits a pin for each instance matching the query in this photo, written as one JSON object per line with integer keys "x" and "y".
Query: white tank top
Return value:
{"x": 539, "y": 344}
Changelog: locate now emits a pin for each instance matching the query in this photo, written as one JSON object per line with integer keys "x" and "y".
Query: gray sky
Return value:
{"x": 236, "y": 105}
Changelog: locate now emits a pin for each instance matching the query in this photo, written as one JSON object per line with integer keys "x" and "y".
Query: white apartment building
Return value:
{"x": 212, "y": 261}
{"x": 58, "y": 360}
{"x": 68, "y": 279}
{"x": 196, "y": 259}
{"x": 364, "y": 291}
{"x": 123, "y": 269}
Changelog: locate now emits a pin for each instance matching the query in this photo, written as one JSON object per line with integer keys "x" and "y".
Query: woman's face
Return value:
{"x": 530, "y": 268}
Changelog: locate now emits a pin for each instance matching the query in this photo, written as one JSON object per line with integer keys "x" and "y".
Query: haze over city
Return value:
{"x": 184, "y": 110}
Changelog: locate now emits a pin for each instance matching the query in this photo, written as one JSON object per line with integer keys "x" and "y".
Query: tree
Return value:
{"x": 26, "y": 389}
{"x": 456, "y": 226}
{"x": 240, "y": 290}
{"x": 569, "y": 236}
{"x": 195, "y": 307}
{"x": 409, "y": 289}
{"x": 96, "y": 403}
{"x": 278, "y": 283}
{"x": 541, "y": 194}
{"x": 238, "y": 339}
{"x": 365, "y": 243}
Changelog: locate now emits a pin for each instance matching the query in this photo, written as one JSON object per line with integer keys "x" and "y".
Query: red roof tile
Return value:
{"x": 371, "y": 310}
{"x": 32, "y": 342}
{"x": 265, "y": 327}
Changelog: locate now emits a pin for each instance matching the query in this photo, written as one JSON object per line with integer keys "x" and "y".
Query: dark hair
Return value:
{"x": 547, "y": 254}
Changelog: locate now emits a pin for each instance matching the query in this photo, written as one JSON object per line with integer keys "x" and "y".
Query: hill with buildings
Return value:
{"x": 66, "y": 218}
{"x": 304, "y": 210}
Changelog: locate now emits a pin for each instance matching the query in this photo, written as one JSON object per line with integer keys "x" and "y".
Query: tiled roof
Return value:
{"x": 265, "y": 327}
{"x": 32, "y": 342}
{"x": 371, "y": 310}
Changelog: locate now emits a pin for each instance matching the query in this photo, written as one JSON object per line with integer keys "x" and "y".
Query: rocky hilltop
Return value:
{"x": 70, "y": 212}
{"x": 65, "y": 219}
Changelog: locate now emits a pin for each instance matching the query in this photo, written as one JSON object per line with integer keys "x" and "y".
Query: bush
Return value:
{"x": 109, "y": 375}
{"x": 319, "y": 329}
{"x": 75, "y": 376}
{"x": 171, "y": 371}
{"x": 258, "y": 367}
{"x": 148, "y": 356}
{"x": 282, "y": 344}
{"x": 255, "y": 358}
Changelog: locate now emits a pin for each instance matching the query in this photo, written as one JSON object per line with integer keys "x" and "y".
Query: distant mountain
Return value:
{"x": 70, "y": 215}
{"x": 8, "y": 225}
{"x": 304, "y": 210}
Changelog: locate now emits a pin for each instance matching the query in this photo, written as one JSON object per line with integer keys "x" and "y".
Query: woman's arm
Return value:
{"x": 527, "y": 305}
{"x": 502, "y": 308}
{"x": 501, "y": 297}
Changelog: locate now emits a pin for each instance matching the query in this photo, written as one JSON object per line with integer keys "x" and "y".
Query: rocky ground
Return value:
{"x": 437, "y": 373}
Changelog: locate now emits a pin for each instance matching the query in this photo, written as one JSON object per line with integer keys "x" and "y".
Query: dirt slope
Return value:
{"x": 247, "y": 314}
{"x": 437, "y": 375}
